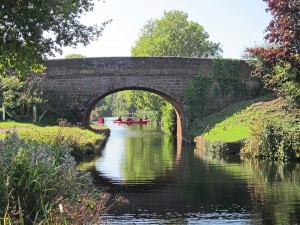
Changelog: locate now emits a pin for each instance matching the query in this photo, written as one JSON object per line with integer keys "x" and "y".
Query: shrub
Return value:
{"x": 280, "y": 141}
{"x": 282, "y": 79}
{"x": 38, "y": 178}
{"x": 274, "y": 140}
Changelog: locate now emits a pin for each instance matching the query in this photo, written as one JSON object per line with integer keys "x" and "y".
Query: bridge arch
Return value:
{"x": 180, "y": 116}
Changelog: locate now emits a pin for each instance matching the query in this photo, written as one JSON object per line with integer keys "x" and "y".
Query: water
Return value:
{"x": 169, "y": 182}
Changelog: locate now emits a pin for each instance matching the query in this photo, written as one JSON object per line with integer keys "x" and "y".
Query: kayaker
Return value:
{"x": 119, "y": 119}
{"x": 140, "y": 119}
{"x": 145, "y": 117}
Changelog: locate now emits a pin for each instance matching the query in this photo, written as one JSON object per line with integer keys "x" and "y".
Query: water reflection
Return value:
{"x": 136, "y": 154}
{"x": 168, "y": 182}
{"x": 274, "y": 186}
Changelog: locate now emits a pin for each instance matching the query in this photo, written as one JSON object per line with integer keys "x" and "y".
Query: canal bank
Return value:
{"x": 263, "y": 127}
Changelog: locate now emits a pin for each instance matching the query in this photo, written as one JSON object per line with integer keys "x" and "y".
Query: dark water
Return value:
{"x": 167, "y": 181}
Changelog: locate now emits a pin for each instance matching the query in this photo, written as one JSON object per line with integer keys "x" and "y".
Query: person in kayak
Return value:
{"x": 119, "y": 119}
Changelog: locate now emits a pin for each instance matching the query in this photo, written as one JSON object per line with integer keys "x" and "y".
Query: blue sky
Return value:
{"x": 236, "y": 24}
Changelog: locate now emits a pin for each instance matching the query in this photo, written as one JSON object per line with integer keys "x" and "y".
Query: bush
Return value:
{"x": 282, "y": 79}
{"x": 38, "y": 178}
{"x": 280, "y": 141}
{"x": 274, "y": 140}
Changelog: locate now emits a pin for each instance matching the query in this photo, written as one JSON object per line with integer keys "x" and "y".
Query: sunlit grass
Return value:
{"x": 12, "y": 124}
{"x": 74, "y": 137}
{"x": 228, "y": 133}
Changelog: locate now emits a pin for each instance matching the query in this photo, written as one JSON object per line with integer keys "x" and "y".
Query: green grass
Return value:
{"x": 230, "y": 124}
{"x": 82, "y": 141}
{"x": 228, "y": 132}
{"x": 12, "y": 124}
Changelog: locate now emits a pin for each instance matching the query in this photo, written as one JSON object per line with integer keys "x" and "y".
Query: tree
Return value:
{"x": 279, "y": 64}
{"x": 174, "y": 35}
{"x": 18, "y": 96}
{"x": 32, "y": 30}
{"x": 283, "y": 31}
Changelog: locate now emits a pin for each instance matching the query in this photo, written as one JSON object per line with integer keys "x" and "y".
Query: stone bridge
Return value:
{"x": 77, "y": 85}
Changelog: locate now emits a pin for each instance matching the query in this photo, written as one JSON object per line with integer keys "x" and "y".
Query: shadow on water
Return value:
{"x": 168, "y": 182}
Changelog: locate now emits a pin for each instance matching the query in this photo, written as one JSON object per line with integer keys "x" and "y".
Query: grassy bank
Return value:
{"x": 271, "y": 127}
{"x": 81, "y": 141}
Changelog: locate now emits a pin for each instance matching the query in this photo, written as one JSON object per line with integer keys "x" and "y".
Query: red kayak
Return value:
{"x": 142, "y": 121}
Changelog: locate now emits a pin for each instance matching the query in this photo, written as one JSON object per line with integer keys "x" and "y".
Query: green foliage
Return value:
{"x": 74, "y": 55}
{"x": 174, "y": 35}
{"x": 225, "y": 72}
{"x": 11, "y": 88}
{"x": 280, "y": 142}
{"x": 36, "y": 178}
{"x": 31, "y": 30}
{"x": 103, "y": 108}
{"x": 168, "y": 119}
{"x": 19, "y": 95}
{"x": 275, "y": 139}
{"x": 197, "y": 94}
{"x": 282, "y": 79}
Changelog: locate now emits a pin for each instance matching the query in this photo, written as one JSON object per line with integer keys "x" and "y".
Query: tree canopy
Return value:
{"x": 283, "y": 32}
{"x": 174, "y": 35}
{"x": 32, "y": 30}
{"x": 279, "y": 63}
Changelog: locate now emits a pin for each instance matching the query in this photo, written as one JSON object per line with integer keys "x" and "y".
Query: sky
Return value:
{"x": 236, "y": 24}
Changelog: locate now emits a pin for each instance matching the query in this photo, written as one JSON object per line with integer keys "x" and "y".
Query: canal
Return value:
{"x": 167, "y": 181}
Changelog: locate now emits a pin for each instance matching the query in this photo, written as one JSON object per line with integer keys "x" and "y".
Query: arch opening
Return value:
{"x": 179, "y": 113}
